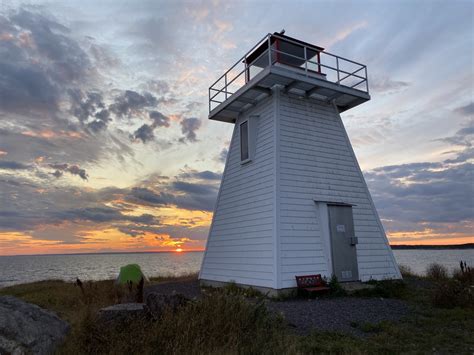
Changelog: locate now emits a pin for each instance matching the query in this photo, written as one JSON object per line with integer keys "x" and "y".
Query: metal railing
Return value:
{"x": 336, "y": 69}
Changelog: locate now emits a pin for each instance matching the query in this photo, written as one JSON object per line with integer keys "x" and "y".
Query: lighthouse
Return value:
{"x": 293, "y": 200}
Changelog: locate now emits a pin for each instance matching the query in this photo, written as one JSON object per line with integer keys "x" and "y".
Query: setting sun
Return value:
{"x": 179, "y": 250}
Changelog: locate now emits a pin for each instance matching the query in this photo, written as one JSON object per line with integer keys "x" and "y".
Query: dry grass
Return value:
{"x": 220, "y": 323}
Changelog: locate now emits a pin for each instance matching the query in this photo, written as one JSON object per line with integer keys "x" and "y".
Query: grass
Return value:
{"x": 437, "y": 272}
{"x": 225, "y": 322}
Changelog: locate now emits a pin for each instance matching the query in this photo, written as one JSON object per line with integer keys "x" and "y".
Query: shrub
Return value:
{"x": 335, "y": 288}
{"x": 466, "y": 277}
{"x": 437, "y": 272}
{"x": 406, "y": 271}
{"x": 452, "y": 293}
{"x": 457, "y": 291}
{"x": 383, "y": 288}
{"x": 233, "y": 289}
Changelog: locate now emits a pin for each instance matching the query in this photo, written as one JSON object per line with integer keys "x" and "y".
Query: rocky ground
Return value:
{"x": 26, "y": 328}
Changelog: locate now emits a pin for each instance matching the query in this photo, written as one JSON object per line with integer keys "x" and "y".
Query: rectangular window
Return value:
{"x": 244, "y": 141}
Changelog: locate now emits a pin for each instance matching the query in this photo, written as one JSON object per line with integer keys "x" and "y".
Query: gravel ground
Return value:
{"x": 345, "y": 314}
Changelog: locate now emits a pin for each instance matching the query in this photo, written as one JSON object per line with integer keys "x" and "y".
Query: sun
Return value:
{"x": 178, "y": 250}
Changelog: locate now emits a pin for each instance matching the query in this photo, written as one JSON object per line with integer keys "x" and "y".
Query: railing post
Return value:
{"x": 366, "y": 80}
{"x": 209, "y": 99}
{"x": 305, "y": 61}
{"x": 269, "y": 51}
{"x": 225, "y": 85}
{"x": 338, "y": 74}
{"x": 247, "y": 72}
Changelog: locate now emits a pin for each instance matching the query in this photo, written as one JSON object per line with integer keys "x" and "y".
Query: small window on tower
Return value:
{"x": 244, "y": 141}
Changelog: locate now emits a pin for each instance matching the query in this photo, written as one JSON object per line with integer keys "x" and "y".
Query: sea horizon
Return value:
{"x": 393, "y": 246}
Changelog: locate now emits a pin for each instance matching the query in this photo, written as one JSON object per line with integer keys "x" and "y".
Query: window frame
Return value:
{"x": 248, "y": 158}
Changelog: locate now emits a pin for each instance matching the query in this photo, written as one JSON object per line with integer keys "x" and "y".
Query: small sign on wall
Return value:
{"x": 341, "y": 228}
{"x": 346, "y": 274}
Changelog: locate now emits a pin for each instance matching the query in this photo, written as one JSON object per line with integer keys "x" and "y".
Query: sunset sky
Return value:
{"x": 105, "y": 143}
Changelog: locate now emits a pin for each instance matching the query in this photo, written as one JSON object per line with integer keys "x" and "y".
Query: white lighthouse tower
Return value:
{"x": 293, "y": 200}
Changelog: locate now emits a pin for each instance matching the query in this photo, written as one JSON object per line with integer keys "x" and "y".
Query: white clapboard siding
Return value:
{"x": 266, "y": 227}
{"x": 316, "y": 162}
{"x": 241, "y": 241}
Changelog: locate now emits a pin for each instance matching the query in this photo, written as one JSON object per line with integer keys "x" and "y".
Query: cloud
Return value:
{"x": 90, "y": 109}
{"x": 159, "y": 120}
{"x": 196, "y": 196}
{"x": 159, "y": 87}
{"x": 104, "y": 214}
{"x": 131, "y": 102}
{"x": 384, "y": 84}
{"x": 203, "y": 175}
{"x": 48, "y": 99}
{"x": 143, "y": 194}
{"x": 345, "y": 32}
{"x": 38, "y": 58}
{"x": 193, "y": 106}
{"x": 29, "y": 206}
{"x": 170, "y": 234}
{"x": 13, "y": 165}
{"x": 72, "y": 169}
{"x": 465, "y": 155}
{"x": 223, "y": 155}
{"x": 462, "y": 137}
{"x": 467, "y": 110}
{"x": 189, "y": 126}
{"x": 144, "y": 133}
{"x": 424, "y": 196}
{"x": 191, "y": 188}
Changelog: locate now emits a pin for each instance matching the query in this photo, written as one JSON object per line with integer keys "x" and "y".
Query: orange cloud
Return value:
{"x": 90, "y": 240}
{"x": 429, "y": 236}
{"x": 52, "y": 134}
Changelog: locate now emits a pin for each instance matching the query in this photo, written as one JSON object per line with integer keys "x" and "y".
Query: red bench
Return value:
{"x": 311, "y": 283}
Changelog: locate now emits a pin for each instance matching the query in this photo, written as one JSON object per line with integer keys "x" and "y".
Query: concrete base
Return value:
{"x": 267, "y": 291}
{"x": 355, "y": 286}
{"x": 271, "y": 292}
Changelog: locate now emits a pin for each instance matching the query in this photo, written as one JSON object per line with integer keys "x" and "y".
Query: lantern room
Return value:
{"x": 285, "y": 51}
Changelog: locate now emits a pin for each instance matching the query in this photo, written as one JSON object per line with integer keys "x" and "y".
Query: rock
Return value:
{"x": 27, "y": 328}
{"x": 157, "y": 303}
{"x": 123, "y": 312}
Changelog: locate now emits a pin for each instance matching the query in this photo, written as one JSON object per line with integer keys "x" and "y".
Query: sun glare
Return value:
{"x": 179, "y": 250}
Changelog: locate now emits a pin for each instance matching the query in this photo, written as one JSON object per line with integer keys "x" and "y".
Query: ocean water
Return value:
{"x": 21, "y": 269}
{"x": 418, "y": 260}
